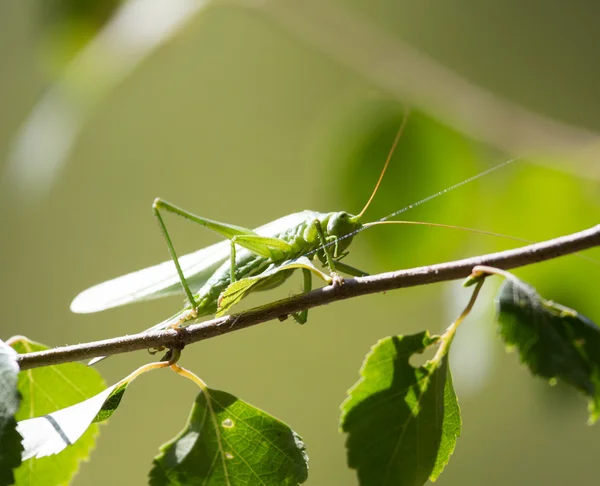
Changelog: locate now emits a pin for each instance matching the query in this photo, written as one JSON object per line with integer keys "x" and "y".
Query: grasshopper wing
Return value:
{"x": 162, "y": 280}
{"x": 153, "y": 282}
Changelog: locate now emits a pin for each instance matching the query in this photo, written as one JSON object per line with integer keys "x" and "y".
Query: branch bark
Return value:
{"x": 354, "y": 287}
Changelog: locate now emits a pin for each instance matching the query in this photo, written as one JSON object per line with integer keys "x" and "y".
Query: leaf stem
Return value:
{"x": 191, "y": 376}
{"x": 481, "y": 270}
{"x": 143, "y": 369}
{"x": 450, "y": 332}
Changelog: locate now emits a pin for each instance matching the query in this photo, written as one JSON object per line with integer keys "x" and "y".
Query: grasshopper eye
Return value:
{"x": 338, "y": 223}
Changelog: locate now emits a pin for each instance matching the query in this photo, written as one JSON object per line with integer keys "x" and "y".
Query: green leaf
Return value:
{"x": 112, "y": 401}
{"x": 229, "y": 442}
{"x": 44, "y": 391}
{"x": 10, "y": 440}
{"x": 402, "y": 422}
{"x": 553, "y": 341}
{"x": 236, "y": 291}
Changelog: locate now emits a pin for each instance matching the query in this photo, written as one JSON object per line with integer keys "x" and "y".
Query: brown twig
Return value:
{"x": 354, "y": 287}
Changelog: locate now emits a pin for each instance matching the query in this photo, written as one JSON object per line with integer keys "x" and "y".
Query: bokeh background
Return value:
{"x": 244, "y": 112}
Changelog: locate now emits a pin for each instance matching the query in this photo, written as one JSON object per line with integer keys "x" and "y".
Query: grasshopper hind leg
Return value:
{"x": 186, "y": 288}
{"x": 302, "y": 316}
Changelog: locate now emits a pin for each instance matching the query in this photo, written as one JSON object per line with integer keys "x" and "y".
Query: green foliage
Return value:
{"x": 44, "y": 391}
{"x": 229, "y": 442}
{"x": 111, "y": 402}
{"x": 10, "y": 440}
{"x": 402, "y": 422}
{"x": 553, "y": 341}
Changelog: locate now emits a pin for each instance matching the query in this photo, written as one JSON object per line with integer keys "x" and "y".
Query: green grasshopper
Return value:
{"x": 218, "y": 276}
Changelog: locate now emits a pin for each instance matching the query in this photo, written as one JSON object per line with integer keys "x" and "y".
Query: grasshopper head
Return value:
{"x": 340, "y": 224}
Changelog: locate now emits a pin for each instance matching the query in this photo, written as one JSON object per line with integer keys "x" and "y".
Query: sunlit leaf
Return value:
{"x": 402, "y": 422}
{"x": 230, "y": 442}
{"x": 553, "y": 341}
{"x": 10, "y": 440}
{"x": 52, "y": 433}
{"x": 44, "y": 391}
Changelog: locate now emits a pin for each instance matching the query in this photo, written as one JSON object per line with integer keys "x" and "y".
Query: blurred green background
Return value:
{"x": 238, "y": 119}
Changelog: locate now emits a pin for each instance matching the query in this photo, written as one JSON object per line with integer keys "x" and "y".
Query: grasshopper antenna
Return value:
{"x": 451, "y": 188}
{"x": 387, "y": 162}
{"x": 472, "y": 230}
{"x": 450, "y": 226}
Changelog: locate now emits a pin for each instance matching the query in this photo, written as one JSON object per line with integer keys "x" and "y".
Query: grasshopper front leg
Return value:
{"x": 336, "y": 277}
{"x": 186, "y": 288}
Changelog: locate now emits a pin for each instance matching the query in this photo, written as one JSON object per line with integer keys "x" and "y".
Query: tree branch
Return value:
{"x": 351, "y": 288}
